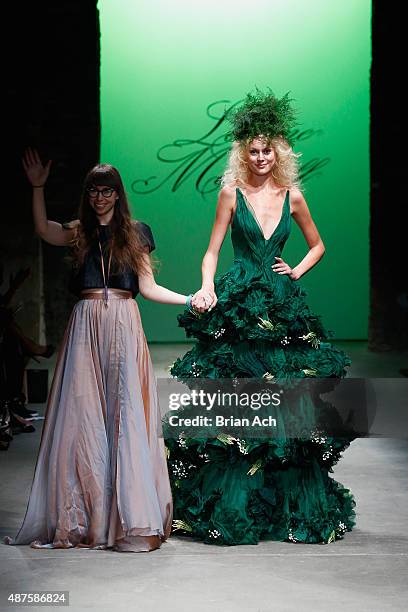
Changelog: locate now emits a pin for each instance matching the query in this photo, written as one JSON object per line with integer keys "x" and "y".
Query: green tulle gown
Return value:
{"x": 236, "y": 491}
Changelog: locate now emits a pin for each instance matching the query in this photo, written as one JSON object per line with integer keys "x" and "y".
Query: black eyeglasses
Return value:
{"x": 106, "y": 192}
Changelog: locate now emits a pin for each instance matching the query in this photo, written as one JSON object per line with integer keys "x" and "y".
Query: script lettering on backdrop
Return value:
{"x": 197, "y": 159}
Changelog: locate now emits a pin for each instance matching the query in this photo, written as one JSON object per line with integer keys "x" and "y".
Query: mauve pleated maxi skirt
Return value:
{"x": 101, "y": 477}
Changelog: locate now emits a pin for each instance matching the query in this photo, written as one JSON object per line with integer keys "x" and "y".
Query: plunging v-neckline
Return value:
{"x": 253, "y": 214}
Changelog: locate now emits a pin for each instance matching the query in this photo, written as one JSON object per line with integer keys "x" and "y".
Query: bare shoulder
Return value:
{"x": 297, "y": 200}
{"x": 228, "y": 191}
{"x": 227, "y": 196}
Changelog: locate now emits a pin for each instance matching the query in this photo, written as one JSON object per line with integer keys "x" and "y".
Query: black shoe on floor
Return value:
{"x": 18, "y": 408}
{"x": 19, "y": 425}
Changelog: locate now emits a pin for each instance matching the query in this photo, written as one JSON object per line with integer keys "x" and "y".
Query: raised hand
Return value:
{"x": 204, "y": 299}
{"x": 36, "y": 172}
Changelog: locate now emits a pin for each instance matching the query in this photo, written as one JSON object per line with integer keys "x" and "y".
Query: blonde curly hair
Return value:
{"x": 285, "y": 171}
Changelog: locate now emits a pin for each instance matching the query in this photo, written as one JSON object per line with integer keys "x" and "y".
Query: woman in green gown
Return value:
{"x": 254, "y": 322}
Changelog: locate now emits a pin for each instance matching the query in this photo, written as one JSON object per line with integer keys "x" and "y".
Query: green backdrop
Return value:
{"x": 163, "y": 63}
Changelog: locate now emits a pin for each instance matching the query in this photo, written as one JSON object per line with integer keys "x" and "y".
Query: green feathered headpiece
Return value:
{"x": 262, "y": 114}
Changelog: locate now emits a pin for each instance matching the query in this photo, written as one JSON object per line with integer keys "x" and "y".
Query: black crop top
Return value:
{"x": 89, "y": 275}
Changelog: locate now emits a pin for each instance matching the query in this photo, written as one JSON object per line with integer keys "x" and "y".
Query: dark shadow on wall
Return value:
{"x": 388, "y": 324}
{"x": 52, "y": 88}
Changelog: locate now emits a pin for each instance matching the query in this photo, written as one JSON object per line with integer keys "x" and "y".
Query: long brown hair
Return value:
{"x": 127, "y": 246}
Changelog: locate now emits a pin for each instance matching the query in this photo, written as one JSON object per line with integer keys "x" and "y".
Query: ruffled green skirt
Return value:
{"x": 233, "y": 491}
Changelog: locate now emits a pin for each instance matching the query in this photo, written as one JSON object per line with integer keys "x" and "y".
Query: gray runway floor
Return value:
{"x": 367, "y": 571}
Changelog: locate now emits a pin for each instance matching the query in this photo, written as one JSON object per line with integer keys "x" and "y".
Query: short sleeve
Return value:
{"x": 146, "y": 235}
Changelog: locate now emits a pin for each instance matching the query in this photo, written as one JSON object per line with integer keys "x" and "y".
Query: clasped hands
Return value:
{"x": 204, "y": 299}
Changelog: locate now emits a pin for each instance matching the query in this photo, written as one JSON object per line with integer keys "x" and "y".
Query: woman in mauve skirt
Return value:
{"x": 101, "y": 477}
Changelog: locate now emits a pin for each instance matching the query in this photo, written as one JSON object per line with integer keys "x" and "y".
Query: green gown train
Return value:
{"x": 233, "y": 491}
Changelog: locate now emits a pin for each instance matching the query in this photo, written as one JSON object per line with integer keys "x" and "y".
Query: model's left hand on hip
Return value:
{"x": 281, "y": 267}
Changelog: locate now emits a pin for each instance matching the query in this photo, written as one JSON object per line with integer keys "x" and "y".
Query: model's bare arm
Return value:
{"x": 303, "y": 218}
{"x": 225, "y": 208}
{"x": 37, "y": 174}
